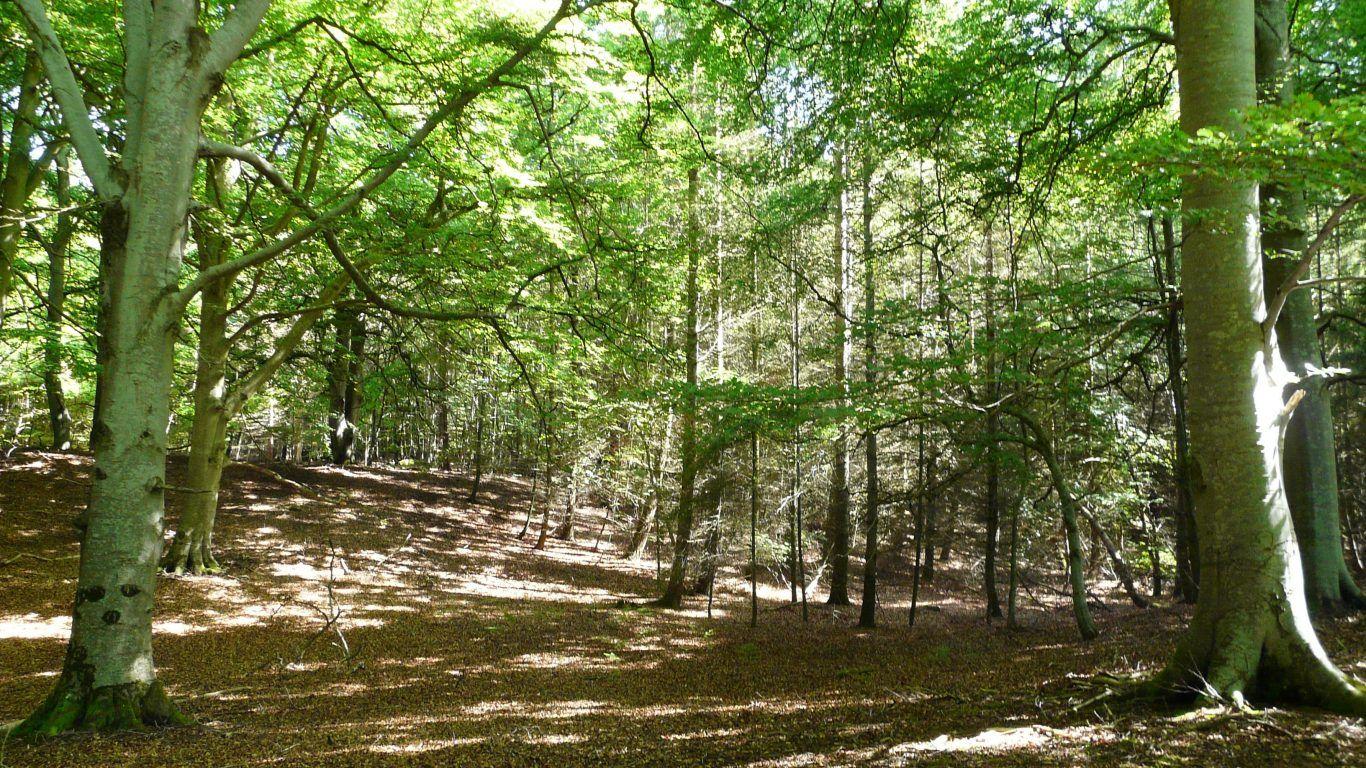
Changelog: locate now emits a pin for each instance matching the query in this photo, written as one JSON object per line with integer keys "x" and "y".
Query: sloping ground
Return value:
{"x": 373, "y": 618}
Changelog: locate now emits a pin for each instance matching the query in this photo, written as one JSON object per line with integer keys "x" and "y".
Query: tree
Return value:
{"x": 1310, "y": 455}
{"x": 688, "y": 450}
{"x": 837, "y": 520}
{"x": 1251, "y": 624}
{"x": 171, "y": 68}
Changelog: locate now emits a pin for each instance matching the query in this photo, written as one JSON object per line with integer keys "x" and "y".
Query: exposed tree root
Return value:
{"x": 1279, "y": 667}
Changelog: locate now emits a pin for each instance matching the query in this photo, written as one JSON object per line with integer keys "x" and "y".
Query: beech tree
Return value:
{"x": 171, "y": 69}
{"x": 1251, "y": 624}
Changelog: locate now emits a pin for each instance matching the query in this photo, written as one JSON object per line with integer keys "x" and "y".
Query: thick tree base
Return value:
{"x": 672, "y": 599}
{"x": 1232, "y": 663}
{"x": 190, "y": 554}
{"x": 74, "y": 707}
{"x": 1346, "y": 599}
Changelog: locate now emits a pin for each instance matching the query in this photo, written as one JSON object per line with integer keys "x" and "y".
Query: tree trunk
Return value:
{"x": 108, "y": 680}
{"x": 59, "y": 418}
{"x": 1076, "y": 564}
{"x": 1117, "y": 561}
{"x": 711, "y": 552}
{"x": 931, "y": 528}
{"x": 341, "y": 421}
{"x": 192, "y": 549}
{"x": 479, "y": 462}
{"x": 565, "y": 530}
{"x": 1251, "y": 632}
{"x": 868, "y": 607}
{"x": 16, "y": 181}
{"x": 1310, "y": 454}
{"x": 837, "y": 519}
{"x": 1187, "y": 546}
{"x": 673, "y": 592}
{"x": 993, "y": 491}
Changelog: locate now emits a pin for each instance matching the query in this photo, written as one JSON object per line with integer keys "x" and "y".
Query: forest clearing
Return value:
{"x": 464, "y": 646}
{"x": 682, "y": 382}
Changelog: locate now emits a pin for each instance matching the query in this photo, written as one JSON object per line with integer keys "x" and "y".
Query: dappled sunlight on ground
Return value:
{"x": 372, "y": 617}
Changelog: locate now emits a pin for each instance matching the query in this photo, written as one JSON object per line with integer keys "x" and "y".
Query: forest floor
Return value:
{"x": 464, "y": 647}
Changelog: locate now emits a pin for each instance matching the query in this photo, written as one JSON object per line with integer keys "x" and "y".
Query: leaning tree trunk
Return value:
{"x": 1310, "y": 458}
{"x": 1251, "y": 632}
{"x": 1076, "y": 563}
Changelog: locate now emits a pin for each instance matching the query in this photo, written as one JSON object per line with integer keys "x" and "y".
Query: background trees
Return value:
{"x": 682, "y": 260}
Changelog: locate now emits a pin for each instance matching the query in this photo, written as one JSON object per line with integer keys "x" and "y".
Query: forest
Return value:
{"x": 682, "y": 382}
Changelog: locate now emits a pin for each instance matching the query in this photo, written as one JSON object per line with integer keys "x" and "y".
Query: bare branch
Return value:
{"x": 1292, "y": 280}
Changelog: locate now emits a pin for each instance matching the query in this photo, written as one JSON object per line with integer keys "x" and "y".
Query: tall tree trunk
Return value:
{"x": 868, "y": 607}
{"x": 1310, "y": 454}
{"x": 993, "y": 490}
{"x": 673, "y": 592}
{"x": 17, "y": 177}
{"x": 565, "y": 530}
{"x": 931, "y": 535}
{"x": 59, "y": 418}
{"x": 1187, "y": 546}
{"x": 192, "y": 549}
{"x": 108, "y": 679}
{"x": 837, "y": 518}
{"x": 1251, "y": 625}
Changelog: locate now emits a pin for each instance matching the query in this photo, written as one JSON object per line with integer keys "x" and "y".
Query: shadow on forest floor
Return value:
{"x": 470, "y": 648}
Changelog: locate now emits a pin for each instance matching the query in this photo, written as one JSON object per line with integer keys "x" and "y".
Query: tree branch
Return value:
{"x": 227, "y": 42}
{"x": 453, "y": 107}
{"x": 71, "y": 100}
{"x": 1292, "y": 280}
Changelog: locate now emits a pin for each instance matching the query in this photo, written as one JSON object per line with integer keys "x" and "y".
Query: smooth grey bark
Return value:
{"x": 343, "y": 395}
{"x": 565, "y": 530}
{"x": 171, "y": 69}
{"x": 479, "y": 459}
{"x": 1310, "y": 453}
{"x": 108, "y": 680}
{"x": 1251, "y": 633}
